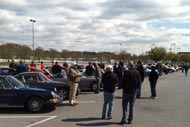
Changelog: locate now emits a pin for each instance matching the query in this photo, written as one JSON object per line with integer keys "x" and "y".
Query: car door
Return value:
{"x": 30, "y": 79}
{"x": 8, "y": 95}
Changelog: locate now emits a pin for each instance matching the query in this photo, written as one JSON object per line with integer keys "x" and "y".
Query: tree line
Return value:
{"x": 12, "y": 51}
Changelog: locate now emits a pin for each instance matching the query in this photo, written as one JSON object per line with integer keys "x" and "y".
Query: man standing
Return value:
{"x": 13, "y": 64}
{"x": 21, "y": 68}
{"x": 74, "y": 78}
{"x": 89, "y": 69}
{"x": 140, "y": 68}
{"x": 131, "y": 82}
{"x": 109, "y": 79}
{"x": 42, "y": 65}
{"x": 56, "y": 68}
{"x": 98, "y": 75}
{"x": 153, "y": 77}
{"x": 186, "y": 67}
{"x": 121, "y": 70}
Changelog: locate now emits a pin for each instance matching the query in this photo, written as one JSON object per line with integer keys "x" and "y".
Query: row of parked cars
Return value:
{"x": 37, "y": 89}
{"x": 162, "y": 68}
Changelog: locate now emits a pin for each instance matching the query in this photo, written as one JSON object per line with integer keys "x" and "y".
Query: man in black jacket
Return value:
{"x": 153, "y": 77}
{"x": 131, "y": 82}
{"x": 109, "y": 80}
{"x": 141, "y": 70}
{"x": 56, "y": 68}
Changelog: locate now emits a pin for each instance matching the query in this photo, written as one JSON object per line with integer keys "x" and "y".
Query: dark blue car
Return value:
{"x": 14, "y": 94}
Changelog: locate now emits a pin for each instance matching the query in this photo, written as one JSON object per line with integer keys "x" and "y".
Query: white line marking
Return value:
{"x": 13, "y": 117}
{"x": 42, "y": 121}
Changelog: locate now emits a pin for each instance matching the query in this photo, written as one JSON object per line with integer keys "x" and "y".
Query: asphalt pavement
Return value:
{"x": 169, "y": 109}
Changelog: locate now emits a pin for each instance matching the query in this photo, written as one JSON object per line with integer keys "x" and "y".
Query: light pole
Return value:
{"x": 33, "y": 21}
{"x": 120, "y": 47}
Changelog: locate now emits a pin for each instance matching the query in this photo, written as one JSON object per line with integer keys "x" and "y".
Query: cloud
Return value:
{"x": 96, "y": 25}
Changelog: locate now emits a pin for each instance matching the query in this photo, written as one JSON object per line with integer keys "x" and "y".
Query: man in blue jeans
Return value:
{"x": 109, "y": 79}
{"x": 131, "y": 82}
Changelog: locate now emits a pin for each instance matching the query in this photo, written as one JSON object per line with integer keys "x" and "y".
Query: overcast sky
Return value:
{"x": 97, "y": 25}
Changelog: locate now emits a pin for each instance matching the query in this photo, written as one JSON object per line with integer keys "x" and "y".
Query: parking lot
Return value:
{"x": 170, "y": 109}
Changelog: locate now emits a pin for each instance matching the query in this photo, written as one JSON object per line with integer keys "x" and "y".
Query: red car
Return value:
{"x": 44, "y": 71}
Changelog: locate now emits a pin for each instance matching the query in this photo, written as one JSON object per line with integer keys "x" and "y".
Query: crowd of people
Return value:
{"x": 129, "y": 78}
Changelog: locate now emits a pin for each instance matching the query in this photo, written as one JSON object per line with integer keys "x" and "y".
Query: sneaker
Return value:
{"x": 123, "y": 121}
{"x": 153, "y": 98}
{"x": 72, "y": 104}
{"x": 129, "y": 122}
{"x": 109, "y": 118}
{"x": 103, "y": 117}
{"x": 75, "y": 103}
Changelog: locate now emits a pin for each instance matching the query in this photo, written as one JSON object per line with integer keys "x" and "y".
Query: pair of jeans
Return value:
{"x": 98, "y": 80}
{"x": 108, "y": 101}
{"x": 139, "y": 91}
{"x": 153, "y": 88}
{"x": 128, "y": 99}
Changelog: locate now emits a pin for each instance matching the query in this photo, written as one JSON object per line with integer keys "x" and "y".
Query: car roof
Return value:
{"x": 31, "y": 72}
{"x": 3, "y": 76}
{"x": 26, "y": 73}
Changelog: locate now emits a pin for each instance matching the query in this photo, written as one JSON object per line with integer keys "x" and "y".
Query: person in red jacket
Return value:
{"x": 32, "y": 66}
{"x": 42, "y": 65}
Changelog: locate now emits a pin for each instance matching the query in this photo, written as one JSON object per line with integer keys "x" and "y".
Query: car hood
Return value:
{"x": 36, "y": 89}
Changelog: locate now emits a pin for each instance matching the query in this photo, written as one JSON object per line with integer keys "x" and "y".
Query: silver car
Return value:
{"x": 86, "y": 82}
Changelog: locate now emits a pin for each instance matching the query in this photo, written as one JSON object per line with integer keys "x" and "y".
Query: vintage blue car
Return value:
{"x": 13, "y": 93}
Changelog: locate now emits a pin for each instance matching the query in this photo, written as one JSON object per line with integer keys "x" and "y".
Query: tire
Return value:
{"x": 35, "y": 104}
{"x": 63, "y": 93}
{"x": 94, "y": 86}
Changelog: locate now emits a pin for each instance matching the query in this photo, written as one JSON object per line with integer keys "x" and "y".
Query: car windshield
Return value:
{"x": 14, "y": 82}
{"x": 60, "y": 75}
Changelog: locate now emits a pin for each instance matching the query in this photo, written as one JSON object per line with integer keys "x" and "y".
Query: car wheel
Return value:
{"x": 94, "y": 86}
{"x": 64, "y": 94}
{"x": 34, "y": 104}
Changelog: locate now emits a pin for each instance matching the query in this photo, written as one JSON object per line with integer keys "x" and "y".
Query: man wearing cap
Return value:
{"x": 74, "y": 78}
{"x": 109, "y": 80}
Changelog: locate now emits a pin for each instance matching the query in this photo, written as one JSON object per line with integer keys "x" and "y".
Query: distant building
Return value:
{"x": 184, "y": 53}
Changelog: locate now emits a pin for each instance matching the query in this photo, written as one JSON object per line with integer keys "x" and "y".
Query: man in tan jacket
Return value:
{"x": 74, "y": 78}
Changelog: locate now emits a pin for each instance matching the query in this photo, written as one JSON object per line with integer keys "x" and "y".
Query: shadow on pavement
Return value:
{"x": 81, "y": 119}
{"x": 102, "y": 123}
{"x": 120, "y": 97}
{"x": 145, "y": 98}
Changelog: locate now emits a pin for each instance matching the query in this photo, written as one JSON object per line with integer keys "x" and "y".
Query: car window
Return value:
{"x": 14, "y": 82}
{"x": 19, "y": 78}
{"x": 1, "y": 84}
{"x": 41, "y": 78}
{"x": 4, "y": 85}
{"x": 1, "y": 71}
{"x": 44, "y": 77}
{"x": 30, "y": 77}
{"x": 5, "y": 71}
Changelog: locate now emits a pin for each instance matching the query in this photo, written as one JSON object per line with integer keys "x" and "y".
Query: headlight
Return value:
{"x": 54, "y": 94}
{"x": 55, "y": 89}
